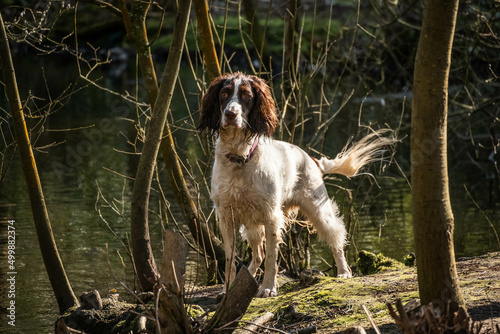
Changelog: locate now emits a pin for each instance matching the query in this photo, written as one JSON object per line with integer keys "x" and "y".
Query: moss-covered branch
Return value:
{"x": 53, "y": 264}
{"x": 141, "y": 244}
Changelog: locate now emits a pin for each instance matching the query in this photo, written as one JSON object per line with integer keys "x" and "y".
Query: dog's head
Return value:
{"x": 238, "y": 101}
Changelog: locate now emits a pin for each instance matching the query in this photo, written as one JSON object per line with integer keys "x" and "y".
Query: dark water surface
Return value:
{"x": 92, "y": 158}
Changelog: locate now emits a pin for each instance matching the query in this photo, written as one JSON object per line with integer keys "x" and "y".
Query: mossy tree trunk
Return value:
{"x": 207, "y": 40}
{"x": 432, "y": 214}
{"x": 134, "y": 21}
{"x": 53, "y": 264}
{"x": 158, "y": 134}
{"x": 135, "y": 24}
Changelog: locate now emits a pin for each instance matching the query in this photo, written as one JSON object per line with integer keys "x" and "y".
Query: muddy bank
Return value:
{"x": 333, "y": 305}
{"x": 330, "y": 305}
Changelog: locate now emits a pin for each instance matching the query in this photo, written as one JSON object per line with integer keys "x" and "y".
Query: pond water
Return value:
{"x": 91, "y": 158}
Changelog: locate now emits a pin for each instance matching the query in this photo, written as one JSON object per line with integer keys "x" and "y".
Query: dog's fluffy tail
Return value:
{"x": 351, "y": 160}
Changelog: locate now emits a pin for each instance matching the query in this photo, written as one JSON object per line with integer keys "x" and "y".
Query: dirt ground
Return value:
{"x": 480, "y": 283}
{"x": 331, "y": 305}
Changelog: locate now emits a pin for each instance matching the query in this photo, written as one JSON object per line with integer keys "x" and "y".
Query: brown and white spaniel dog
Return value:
{"x": 256, "y": 180}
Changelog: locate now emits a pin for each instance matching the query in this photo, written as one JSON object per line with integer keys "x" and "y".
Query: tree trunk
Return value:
{"x": 207, "y": 40}
{"x": 432, "y": 215}
{"x": 145, "y": 264}
{"x": 53, "y": 264}
{"x": 172, "y": 315}
{"x": 141, "y": 243}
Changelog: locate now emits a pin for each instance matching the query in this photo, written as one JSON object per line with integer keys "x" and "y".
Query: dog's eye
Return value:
{"x": 246, "y": 96}
{"x": 223, "y": 95}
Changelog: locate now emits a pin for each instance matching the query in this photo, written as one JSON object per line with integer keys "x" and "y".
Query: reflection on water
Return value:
{"x": 87, "y": 160}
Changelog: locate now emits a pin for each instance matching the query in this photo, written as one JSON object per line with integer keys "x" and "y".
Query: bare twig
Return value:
{"x": 151, "y": 315}
{"x": 370, "y": 318}
{"x": 484, "y": 214}
{"x": 260, "y": 321}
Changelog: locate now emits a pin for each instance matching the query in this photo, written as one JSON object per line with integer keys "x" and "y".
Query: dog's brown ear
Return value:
{"x": 210, "y": 113}
{"x": 263, "y": 118}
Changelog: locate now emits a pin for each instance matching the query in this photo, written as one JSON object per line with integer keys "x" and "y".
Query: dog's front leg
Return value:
{"x": 269, "y": 284}
{"x": 343, "y": 269}
{"x": 227, "y": 229}
{"x": 255, "y": 238}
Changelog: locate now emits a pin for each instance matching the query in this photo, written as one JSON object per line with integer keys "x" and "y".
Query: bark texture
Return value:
{"x": 207, "y": 40}
{"x": 134, "y": 21}
{"x": 53, "y": 264}
{"x": 234, "y": 304}
{"x": 432, "y": 214}
{"x": 172, "y": 315}
{"x": 141, "y": 242}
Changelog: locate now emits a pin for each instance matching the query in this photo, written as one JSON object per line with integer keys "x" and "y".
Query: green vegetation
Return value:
{"x": 369, "y": 263}
{"x": 336, "y": 304}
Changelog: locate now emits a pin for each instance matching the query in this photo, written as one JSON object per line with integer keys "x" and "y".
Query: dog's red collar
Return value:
{"x": 241, "y": 160}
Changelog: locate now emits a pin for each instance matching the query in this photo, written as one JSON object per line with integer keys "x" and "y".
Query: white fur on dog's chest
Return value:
{"x": 239, "y": 190}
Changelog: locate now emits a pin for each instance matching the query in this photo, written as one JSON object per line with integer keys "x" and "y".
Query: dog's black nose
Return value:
{"x": 230, "y": 115}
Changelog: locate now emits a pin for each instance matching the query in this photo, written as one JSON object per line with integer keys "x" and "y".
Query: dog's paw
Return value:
{"x": 264, "y": 292}
{"x": 345, "y": 275}
{"x": 345, "y": 272}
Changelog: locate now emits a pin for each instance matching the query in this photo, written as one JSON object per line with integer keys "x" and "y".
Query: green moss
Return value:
{"x": 69, "y": 311}
{"x": 369, "y": 263}
{"x": 337, "y": 303}
{"x": 290, "y": 286}
{"x": 195, "y": 311}
{"x": 409, "y": 260}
